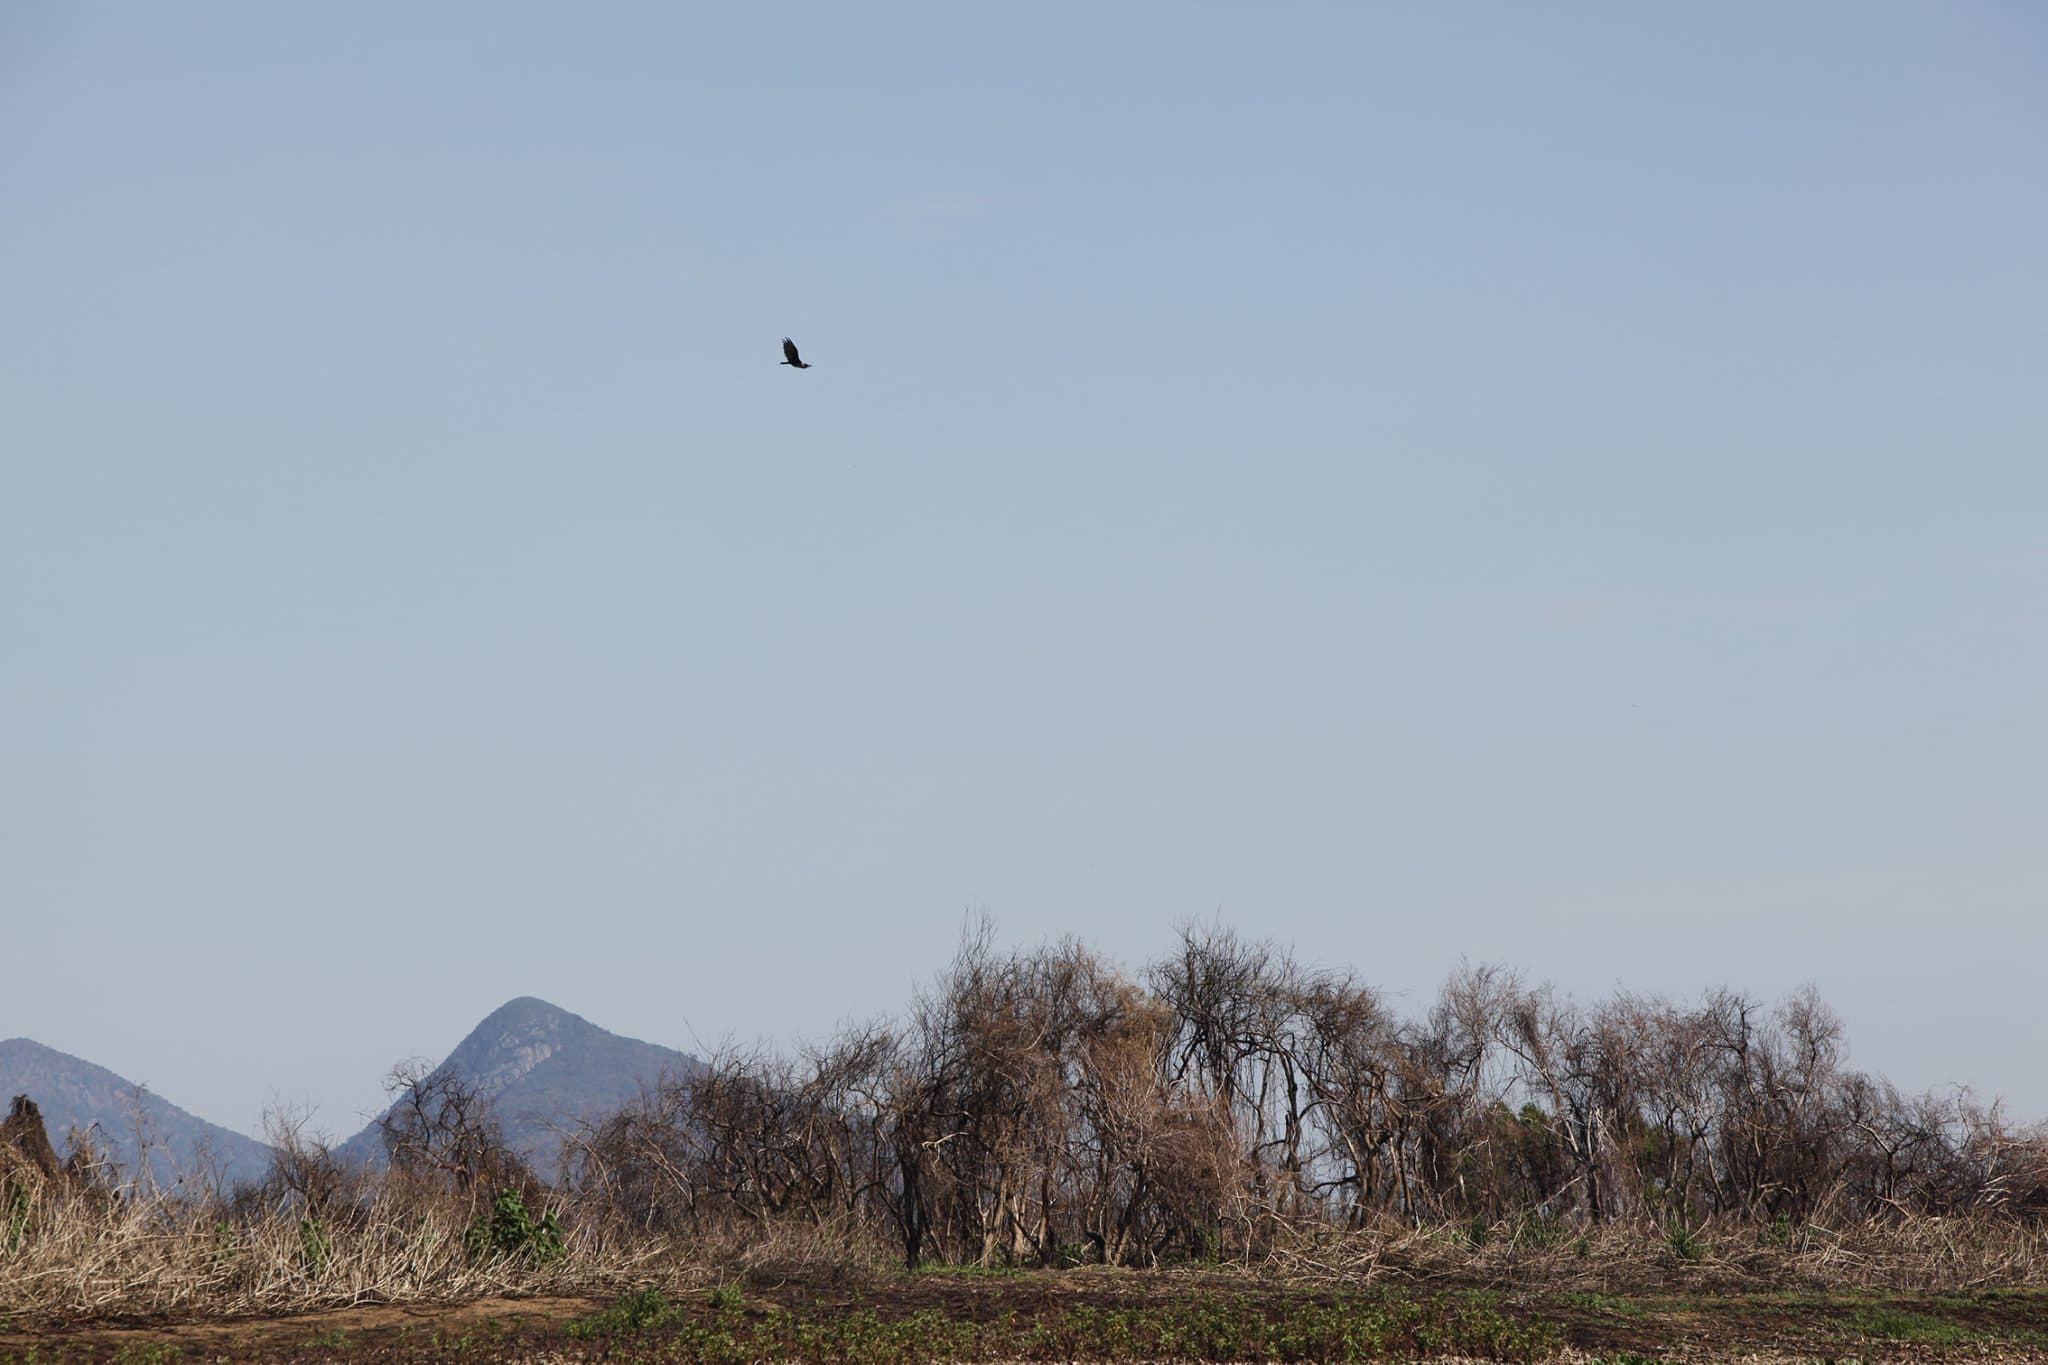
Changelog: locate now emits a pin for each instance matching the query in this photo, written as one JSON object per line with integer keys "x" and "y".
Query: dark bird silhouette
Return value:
{"x": 790, "y": 355}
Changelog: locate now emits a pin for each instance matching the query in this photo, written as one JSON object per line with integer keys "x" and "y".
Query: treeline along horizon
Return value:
{"x": 1045, "y": 1106}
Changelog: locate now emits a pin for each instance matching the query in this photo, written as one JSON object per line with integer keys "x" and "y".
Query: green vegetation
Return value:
{"x": 1542, "y": 1230}
{"x": 973, "y": 1270}
{"x": 637, "y": 1311}
{"x": 1195, "y": 1326}
{"x": 510, "y": 1230}
{"x": 17, "y": 1218}
{"x": 315, "y": 1247}
{"x": 155, "y": 1353}
{"x": 1895, "y": 1324}
{"x": 1683, "y": 1241}
{"x": 1114, "y": 1317}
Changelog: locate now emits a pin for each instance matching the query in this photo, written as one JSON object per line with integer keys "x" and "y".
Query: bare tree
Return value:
{"x": 440, "y": 1131}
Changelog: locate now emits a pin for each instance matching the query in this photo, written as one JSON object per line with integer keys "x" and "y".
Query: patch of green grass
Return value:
{"x": 1198, "y": 1327}
{"x": 148, "y": 1353}
{"x": 1897, "y": 1324}
{"x": 1683, "y": 1241}
{"x": 865, "y": 1336}
{"x": 635, "y": 1312}
{"x": 1218, "y": 1329}
{"x": 1539, "y": 1229}
{"x": 1806, "y": 1298}
{"x": 1987, "y": 1298}
{"x": 972, "y": 1270}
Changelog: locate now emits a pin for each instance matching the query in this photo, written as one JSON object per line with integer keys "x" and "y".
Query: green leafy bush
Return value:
{"x": 314, "y": 1247}
{"x": 509, "y": 1229}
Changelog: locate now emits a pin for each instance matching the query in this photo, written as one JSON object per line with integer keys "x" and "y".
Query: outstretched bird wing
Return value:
{"x": 789, "y": 352}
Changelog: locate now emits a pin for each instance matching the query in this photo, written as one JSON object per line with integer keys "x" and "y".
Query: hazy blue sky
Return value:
{"x": 1556, "y": 485}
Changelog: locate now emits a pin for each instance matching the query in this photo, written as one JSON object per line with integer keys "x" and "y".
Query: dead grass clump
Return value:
{"x": 1926, "y": 1254}
{"x": 156, "y": 1256}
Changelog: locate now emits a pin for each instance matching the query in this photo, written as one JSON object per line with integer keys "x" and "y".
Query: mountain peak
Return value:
{"x": 512, "y": 1040}
{"x": 542, "y": 1069}
{"x": 528, "y": 1012}
{"x": 527, "y": 1004}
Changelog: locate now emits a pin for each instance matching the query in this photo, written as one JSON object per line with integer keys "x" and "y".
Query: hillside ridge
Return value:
{"x": 123, "y": 1117}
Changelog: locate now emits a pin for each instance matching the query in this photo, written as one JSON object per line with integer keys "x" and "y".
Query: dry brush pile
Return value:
{"x": 1228, "y": 1106}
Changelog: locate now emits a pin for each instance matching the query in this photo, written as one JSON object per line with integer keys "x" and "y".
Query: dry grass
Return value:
{"x": 1920, "y": 1254}
{"x": 398, "y": 1279}
{"x": 162, "y": 1258}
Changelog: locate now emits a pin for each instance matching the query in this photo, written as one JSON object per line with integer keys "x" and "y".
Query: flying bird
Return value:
{"x": 790, "y": 355}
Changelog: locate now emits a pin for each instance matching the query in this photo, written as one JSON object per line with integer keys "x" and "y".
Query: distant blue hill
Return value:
{"x": 122, "y": 1117}
{"x": 543, "y": 1070}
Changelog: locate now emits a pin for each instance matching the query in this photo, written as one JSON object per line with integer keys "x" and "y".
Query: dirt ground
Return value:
{"x": 1995, "y": 1325}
